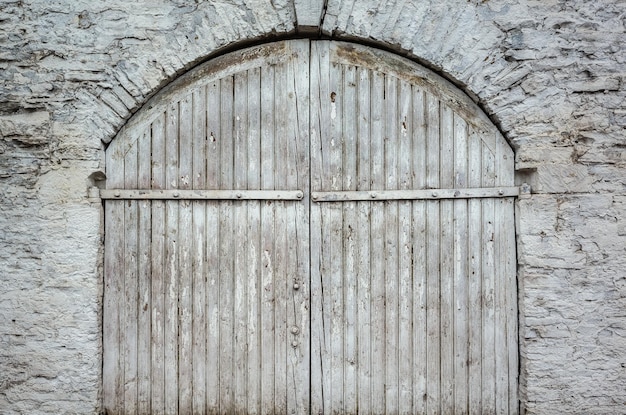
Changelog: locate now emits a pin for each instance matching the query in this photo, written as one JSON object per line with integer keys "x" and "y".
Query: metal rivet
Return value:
{"x": 314, "y": 197}
{"x": 117, "y": 194}
{"x": 239, "y": 195}
{"x": 299, "y": 195}
{"x": 296, "y": 286}
{"x": 434, "y": 194}
{"x": 500, "y": 192}
{"x": 373, "y": 195}
{"x": 295, "y": 330}
{"x": 294, "y": 344}
{"x": 176, "y": 194}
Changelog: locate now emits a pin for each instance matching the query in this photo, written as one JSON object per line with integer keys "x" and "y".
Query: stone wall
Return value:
{"x": 550, "y": 74}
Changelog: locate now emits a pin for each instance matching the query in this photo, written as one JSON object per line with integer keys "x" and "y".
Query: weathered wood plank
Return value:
{"x": 391, "y": 261}
{"x": 113, "y": 391}
{"x": 405, "y": 249}
{"x": 185, "y": 226}
{"x": 240, "y": 251}
{"x": 447, "y": 261}
{"x": 362, "y": 242}
{"x": 332, "y": 149}
{"x": 130, "y": 277}
{"x": 349, "y": 226}
{"x": 460, "y": 283}
{"x": 418, "y": 225}
{"x": 198, "y": 261}
{"x": 253, "y": 251}
{"x": 267, "y": 241}
{"x": 144, "y": 384}
{"x": 226, "y": 250}
{"x": 282, "y": 293}
{"x": 172, "y": 241}
{"x": 298, "y": 71}
{"x": 488, "y": 290}
{"x": 320, "y": 402}
{"x": 433, "y": 342}
{"x": 213, "y": 241}
{"x": 475, "y": 255}
{"x": 377, "y": 245}
{"x": 158, "y": 268}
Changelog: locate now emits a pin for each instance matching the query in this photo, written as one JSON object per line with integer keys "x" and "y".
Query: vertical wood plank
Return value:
{"x": 405, "y": 250}
{"x": 488, "y": 283}
{"x": 199, "y": 270}
{"x": 460, "y": 283}
{"x": 349, "y": 162}
{"x": 446, "y": 260}
{"x": 113, "y": 391}
{"x": 282, "y": 294}
{"x": 145, "y": 276}
{"x": 185, "y": 301}
{"x": 419, "y": 223}
{"x": 226, "y": 249}
{"x": 363, "y": 243}
{"x": 267, "y": 241}
{"x": 377, "y": 246}
{"x": 213, "y": 242}
{"x": 158, "y": 269}
{"x": 299, "y": 69}
{"x": 253, "y": 327}
{"x": 240, "y": 254}
{"x": 171, "y": 262}
{"x": 320, "y": 398}
{"x": 332, "y": 145}
{"x": 130, "y": 276}
{"x": 433, "y": 342}
{"x": 475, "y": 233}
{"x": 391, "y": 173}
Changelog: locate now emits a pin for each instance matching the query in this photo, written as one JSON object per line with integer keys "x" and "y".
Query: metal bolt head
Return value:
{"x": 435, "y": 194}
{"x": 117, "y": 193}
{"x": 296, "y": 286}
{"x": 373, "y": 195}
{"x": 299, "y": 195}
{"x": 294, "y": 344}
{"x": 239, "y": 195}
{"x": 176, "y": 194}
{"x": 295, "y": 330}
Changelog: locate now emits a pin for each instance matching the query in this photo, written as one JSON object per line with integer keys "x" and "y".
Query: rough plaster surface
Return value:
{"x": 550, "y": 74}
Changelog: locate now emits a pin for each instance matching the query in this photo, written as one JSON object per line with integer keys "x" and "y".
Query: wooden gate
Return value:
{"x": 310, "y": 227}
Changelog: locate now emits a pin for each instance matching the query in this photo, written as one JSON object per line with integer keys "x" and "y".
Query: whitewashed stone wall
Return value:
{"x": 550, "y": 73}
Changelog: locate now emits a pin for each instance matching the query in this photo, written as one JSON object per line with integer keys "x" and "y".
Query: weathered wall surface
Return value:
{"x": 550, "y": 73}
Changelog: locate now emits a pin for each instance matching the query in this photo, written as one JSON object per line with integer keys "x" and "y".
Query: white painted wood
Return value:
{"x": 224, "y": 293}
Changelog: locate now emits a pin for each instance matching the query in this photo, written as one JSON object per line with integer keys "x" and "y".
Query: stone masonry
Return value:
{"x": 549, "y": 73}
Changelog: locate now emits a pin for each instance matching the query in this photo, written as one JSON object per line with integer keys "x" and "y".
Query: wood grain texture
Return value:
{"x": 331, "y": 301}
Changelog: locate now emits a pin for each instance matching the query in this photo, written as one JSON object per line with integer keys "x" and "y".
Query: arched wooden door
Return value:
{"x": 310, "y": 227}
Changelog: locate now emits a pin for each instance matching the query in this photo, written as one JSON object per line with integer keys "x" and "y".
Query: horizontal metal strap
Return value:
{"x": 429, "y": 194}
{"x": 176, "y": 194}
